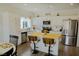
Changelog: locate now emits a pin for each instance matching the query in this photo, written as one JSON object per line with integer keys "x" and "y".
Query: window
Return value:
{"x": 25, "y": 23}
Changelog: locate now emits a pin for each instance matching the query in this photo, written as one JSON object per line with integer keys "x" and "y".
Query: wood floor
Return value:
{"x": 25, "y": 50}
{"x": 68, "y": 50}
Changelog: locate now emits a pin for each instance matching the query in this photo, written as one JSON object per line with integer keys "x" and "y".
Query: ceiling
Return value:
{"x": 45, "y": 7}
{"x": 42, "y": 7}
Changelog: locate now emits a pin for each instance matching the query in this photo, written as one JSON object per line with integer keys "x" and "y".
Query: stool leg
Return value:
{"x": 49, "y": 50}
{"x": 34, "y": 51}
{"x": 49, "y": 54}
{"x": 34, "y": 47}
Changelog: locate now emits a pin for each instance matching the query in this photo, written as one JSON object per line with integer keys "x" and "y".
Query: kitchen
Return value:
{"x": 47, "y": 18}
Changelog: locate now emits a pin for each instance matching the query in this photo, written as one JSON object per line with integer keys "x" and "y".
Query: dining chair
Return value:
{"x": 14, "y": 40}
{"x": 8, "y": 53}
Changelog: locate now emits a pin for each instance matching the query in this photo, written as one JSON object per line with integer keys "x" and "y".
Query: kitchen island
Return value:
{"x": 40, "y": 44}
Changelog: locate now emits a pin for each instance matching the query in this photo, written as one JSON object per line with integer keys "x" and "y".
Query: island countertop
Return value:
{"x": 47, "y": 35}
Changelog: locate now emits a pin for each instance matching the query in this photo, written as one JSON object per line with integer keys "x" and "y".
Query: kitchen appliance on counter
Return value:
{"x": 47, "y": 28}
{"x": 47, "y": 22}
{"x": 70, "y": 32}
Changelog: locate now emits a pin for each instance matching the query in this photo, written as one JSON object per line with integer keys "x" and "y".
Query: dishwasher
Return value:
{"x": 23, "y": 37}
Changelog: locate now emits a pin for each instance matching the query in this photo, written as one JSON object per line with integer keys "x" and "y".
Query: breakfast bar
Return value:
{"x": 40, "y": 44}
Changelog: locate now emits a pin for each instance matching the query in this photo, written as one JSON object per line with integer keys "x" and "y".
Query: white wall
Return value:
{"x": 15, "y": 25}
{"x": 4, "y": 25}
{"x": 1, "y": 33}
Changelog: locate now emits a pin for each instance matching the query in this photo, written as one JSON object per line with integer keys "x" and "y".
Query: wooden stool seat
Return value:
{"x": 45, "y": 31}
{"x": 32, "y": 38}
{"x": 48, "y": 41}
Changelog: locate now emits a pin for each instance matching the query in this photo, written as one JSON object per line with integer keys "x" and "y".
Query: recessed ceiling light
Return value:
{"x": 50, "y": 6}
{"x": 71, "y": 4}
{"x": 25, "y": 4}
{"x": 35, "y": 8}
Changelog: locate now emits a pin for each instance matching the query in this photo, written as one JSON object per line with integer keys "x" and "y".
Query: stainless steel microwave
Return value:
{"x": 46, "y": 22}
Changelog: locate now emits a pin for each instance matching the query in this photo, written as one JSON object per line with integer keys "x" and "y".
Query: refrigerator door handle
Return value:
{"x": 76, "y": 29}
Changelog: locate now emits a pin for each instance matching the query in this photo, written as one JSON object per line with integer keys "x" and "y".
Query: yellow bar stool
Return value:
{"x": 49, "y": 42}
{"x": 33, "y": 38}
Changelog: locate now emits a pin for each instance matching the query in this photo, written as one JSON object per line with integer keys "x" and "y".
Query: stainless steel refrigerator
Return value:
{"x": 70, "y": 32}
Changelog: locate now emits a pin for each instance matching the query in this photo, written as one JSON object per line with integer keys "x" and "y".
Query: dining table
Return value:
{"x": 57, "y": 37}
{"x": 6, "y": 49}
